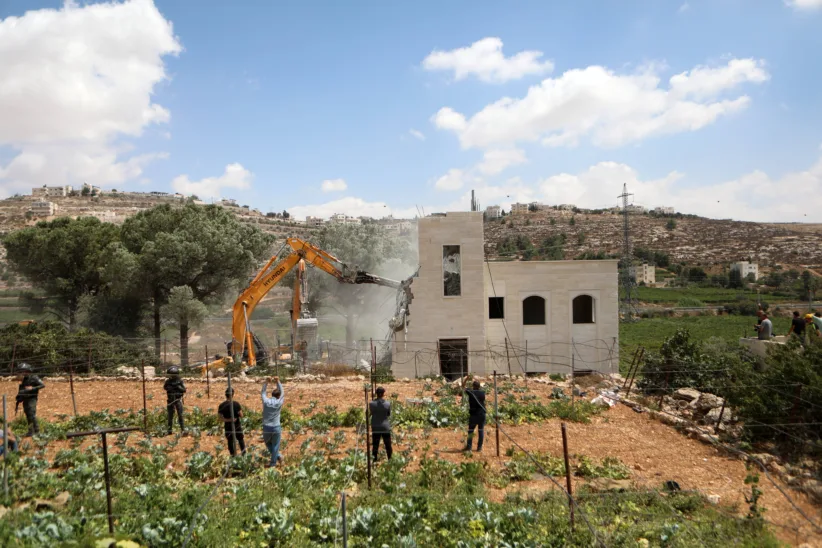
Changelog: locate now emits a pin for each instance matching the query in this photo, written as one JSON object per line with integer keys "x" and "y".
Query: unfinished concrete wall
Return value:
{"x": 434, "y": 314}
{"x": 451, "y": 302}
{"x": 550, "y": 346}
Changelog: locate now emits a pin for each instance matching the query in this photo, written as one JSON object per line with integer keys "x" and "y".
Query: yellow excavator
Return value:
{"x": 247, "y": 348}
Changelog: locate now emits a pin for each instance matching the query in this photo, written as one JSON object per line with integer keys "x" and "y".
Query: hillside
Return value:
{"x": 694, "y": 240}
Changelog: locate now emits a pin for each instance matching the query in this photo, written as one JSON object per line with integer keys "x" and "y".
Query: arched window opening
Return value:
{"x": 583, "y": 308}
{"x": 533, "y": 311}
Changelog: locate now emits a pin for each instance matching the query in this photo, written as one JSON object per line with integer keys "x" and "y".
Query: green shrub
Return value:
{"x": 689, "y": 302}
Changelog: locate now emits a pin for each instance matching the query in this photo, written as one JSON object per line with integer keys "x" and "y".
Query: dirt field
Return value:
{"x": 655, "y": 452}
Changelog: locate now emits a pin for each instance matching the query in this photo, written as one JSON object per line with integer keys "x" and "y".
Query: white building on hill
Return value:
{"x": 643, "y": 273}
{"x": 493, "y": 212}
{"x": 343, "y": 219}
{"x": 664, "y": 210}
{"x": 745, "y": 268}
{"x": 53, "y": 191}
{"x": 314, "y": 221}
{"x": 43, "y": 209}
{"x": 466, "y": 313}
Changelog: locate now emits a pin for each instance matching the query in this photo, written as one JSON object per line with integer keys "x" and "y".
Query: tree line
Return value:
{"x": 166, "y": 263}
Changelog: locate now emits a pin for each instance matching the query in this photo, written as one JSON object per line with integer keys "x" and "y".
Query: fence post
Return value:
{"x": 496, "y": 411}
{"x": 5, "y": 452}
{"x": 416, "y": 374}
{"x": 662, "y": 395}
{"x": 367, "y": 435}
{"x": 13, "y": 354}
{"x": 573, "y": 399}
{"x": 344, "y": 522}
{"x": 526, "y": 361}
{"x": 165, "y": 352}
{"x": 508, "y": 357}
{"x": 88, "y": 366}
{"x": 439, "y": 360}
{"x": 373, "y": 367}
{"x": 636, "y": 369}
{"x": 108, "y": 485}
{"x": 208, "y": 380}
{"x": 567, "y": 475}
{"x": 145, "y": 406}
{"x": 328, "y": 353}
{"x": 230, "y": 392}
{"x": 71, "y": 387}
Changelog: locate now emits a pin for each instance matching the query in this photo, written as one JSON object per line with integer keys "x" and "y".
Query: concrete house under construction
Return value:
{"x": 477, "y": 316}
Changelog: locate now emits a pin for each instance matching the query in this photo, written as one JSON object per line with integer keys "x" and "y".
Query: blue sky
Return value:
{"x": 263, "y": 101}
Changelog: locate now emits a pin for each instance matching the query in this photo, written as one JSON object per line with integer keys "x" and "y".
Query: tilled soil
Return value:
{"x": 655, "y": 452}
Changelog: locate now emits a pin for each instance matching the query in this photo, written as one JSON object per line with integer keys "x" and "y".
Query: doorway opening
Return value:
{"x": 453, "y": 358}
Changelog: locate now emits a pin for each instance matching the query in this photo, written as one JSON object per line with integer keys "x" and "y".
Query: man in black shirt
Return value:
{"x": 232, "y": 429}
{"x": 798, "y": 327}
{"x": 175, "y": 390}
{"x": 380, "y": 411}
{"x": 476, "y": 414}
{"x": 27, "y": 393}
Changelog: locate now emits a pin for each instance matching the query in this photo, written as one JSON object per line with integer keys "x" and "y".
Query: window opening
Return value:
{"x": 533, "y": 311}
{"x": 583, "y": 309}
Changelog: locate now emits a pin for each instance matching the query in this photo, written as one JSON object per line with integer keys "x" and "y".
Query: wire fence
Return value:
{"x": 427, "y": 358}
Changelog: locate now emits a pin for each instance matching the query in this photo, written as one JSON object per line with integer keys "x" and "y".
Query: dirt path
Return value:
{"x": 654, "y": 451}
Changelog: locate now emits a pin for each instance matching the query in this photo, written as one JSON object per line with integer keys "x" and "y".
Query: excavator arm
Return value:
{"x": 274, "y": 271}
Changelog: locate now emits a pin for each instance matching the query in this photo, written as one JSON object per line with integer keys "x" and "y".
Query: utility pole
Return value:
{"x": 628, "y": 308}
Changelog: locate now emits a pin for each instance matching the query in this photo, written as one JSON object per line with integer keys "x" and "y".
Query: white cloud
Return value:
{"x": 235, "y": 176}
{"x": 683, "y": 8}
{"x": 417, "y": 134}
{"x": 495, "y": 161}
{"x": 334, "y": 185}
{"x": 349, "y": 206}
{"x": 804, "y": 4}
{"x": 455, "y": 179}
{"x": 754, "y": 196}
{"x": 485, "y": 60}
{"x": 608, "y": 108}
{"x": 75, "y": 80}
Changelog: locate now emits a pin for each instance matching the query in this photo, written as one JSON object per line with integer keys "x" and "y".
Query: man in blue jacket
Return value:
{"x": 272, "y": 431}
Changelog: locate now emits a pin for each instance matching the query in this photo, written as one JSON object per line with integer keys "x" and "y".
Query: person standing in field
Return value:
{"x": 233, "y": 428}
{"x": 380, "y": 423}
{"x": 815, "y": 322}
{"x": 476, "y": 414}
{"x": 175, "y": 390}
{"x": 272, "y": 431}
{"x": 797, "y": 327}
{"x": 765, "y": 328}
{"x": 27, "y": 394}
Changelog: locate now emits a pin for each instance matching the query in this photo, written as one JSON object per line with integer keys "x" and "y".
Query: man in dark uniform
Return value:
{"x": 233, "y": 429}
{"x": 175, "y": 389}
{"x": 380, "y": 411}
{"x": 30, "y": 386}
{"x": 476, "y": 414}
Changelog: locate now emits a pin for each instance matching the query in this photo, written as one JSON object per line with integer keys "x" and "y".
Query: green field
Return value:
{"x": 708, "y": 295}
{"x": 651, "y": 332}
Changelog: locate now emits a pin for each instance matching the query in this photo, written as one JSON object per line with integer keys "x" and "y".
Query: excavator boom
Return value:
{"x": 274, "y": 271}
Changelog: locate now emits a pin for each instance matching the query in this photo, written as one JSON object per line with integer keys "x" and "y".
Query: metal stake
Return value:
{"x": 208, "y": 381}
{"x": 368, "y": 435}
{"x": 5, "y": 451}
{"x": 496, "y": 411}
{"x": 567, "y": 474}
{"x": 508, "y": 357}
{"x": 344, "y": 522}
{"x": 145, "y": 406}
{"x": 71, "y": 387}
{"x": 105, "y": 463}
{"x": 13, "y": 354}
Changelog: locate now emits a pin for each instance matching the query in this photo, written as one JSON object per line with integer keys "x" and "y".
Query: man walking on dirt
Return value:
{"x": 233, "y": 428}
{"x": 27, "y": 393}
{"x": 476, "y": 414}
{"x": 175, "y": 390}
{"x": 272, "y": 431}
{"x": 380, "y": 411}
